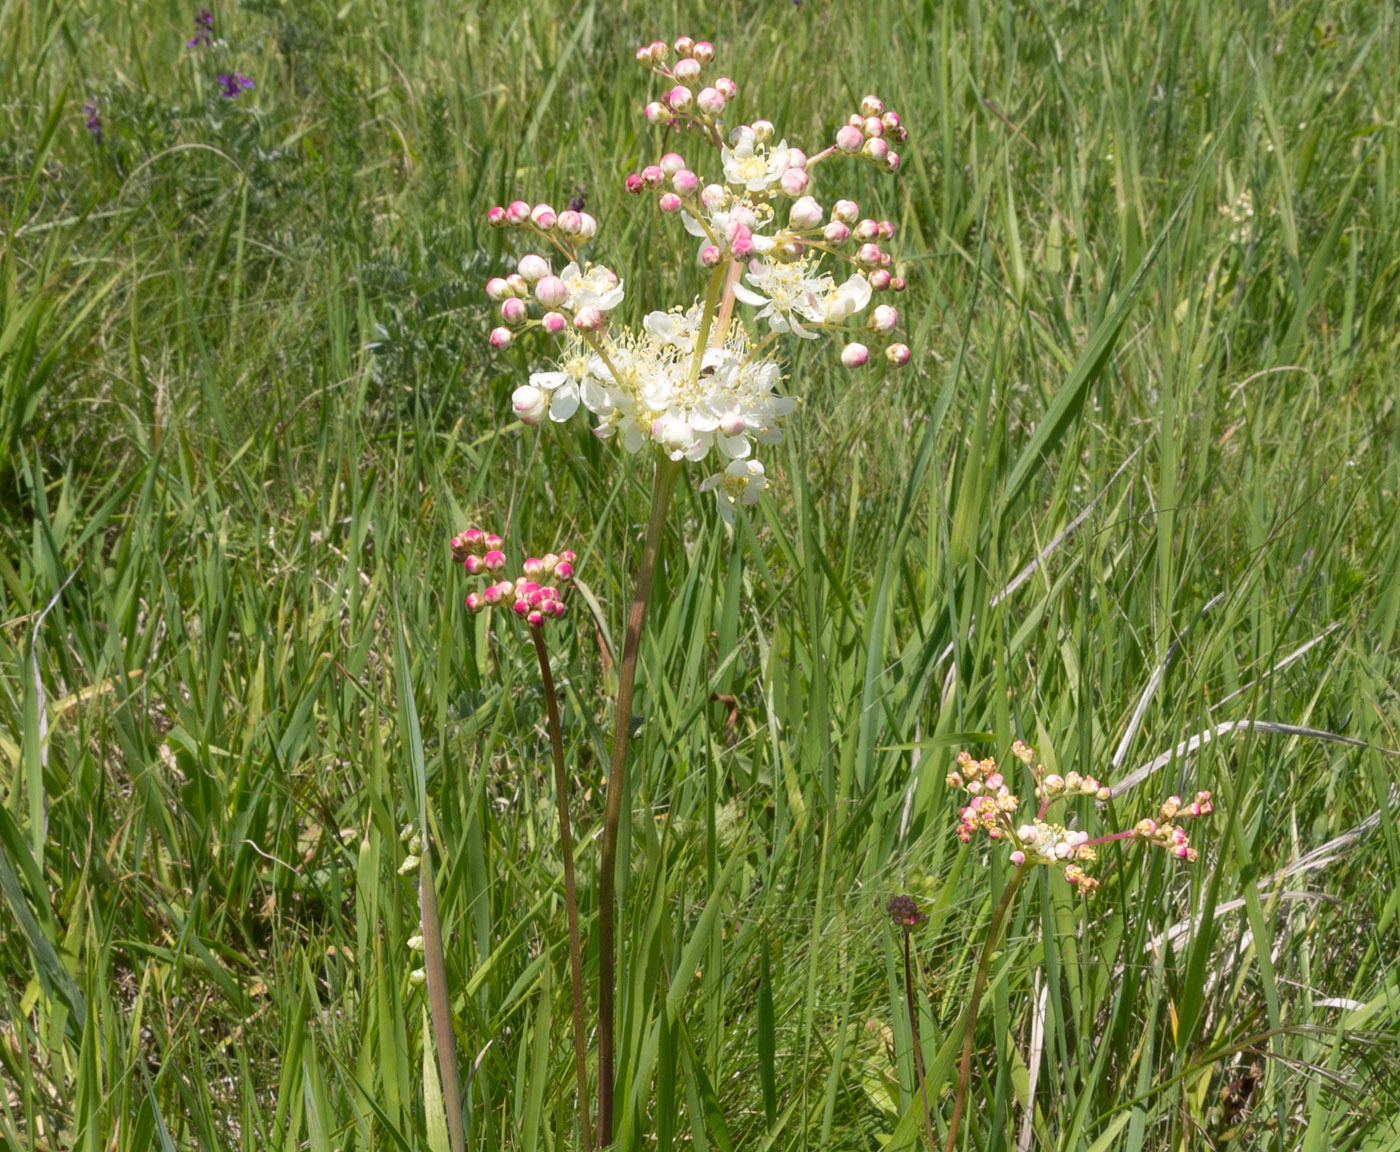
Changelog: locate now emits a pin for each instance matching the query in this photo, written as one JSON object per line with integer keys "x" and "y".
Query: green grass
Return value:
{"x": 245, "y": 398}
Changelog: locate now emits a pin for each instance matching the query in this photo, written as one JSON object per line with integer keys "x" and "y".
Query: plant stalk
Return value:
{"x": 663, "y": 483}
{"x": 566, "y": 847}
{"x": 914, "y": 1036}
{"x": 979, "y": 985}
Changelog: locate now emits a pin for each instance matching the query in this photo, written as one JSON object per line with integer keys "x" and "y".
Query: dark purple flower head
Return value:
{"x": 233, "y": 84}
{"x": 904, "y": 912}
{"x": 203, "y": 30}
{"x": 94, "y": 120}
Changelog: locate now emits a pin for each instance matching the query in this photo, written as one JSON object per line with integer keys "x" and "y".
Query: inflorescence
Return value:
{"x": 535, "y": 595}
{"x": 993, "y": 810}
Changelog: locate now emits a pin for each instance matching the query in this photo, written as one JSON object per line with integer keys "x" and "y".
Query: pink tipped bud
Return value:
{"x": 587, "y": 227}
{"x": 897, "y": 284}
{"x": 554, "y": 322}
{"x": 872, "y": 106}
{"x": 497, "y": 289}
{"x": 558, "y": 608}
{"x": 714, "y": 196}
{"x": 532, "y": 268}
{"x": 516, "y": 283}
{"x": 898, "y": 354}
{"x": 685, "y": 182}
{"x": 687, "y": 71}
{"x": 513, "y": 310}
{"x": 652, "y": 176}
{"x": 589, "y": 320}
{"x": 500, "y": 337}
{"x": 656, "y": 112}
{"x": 856, "y": 120}
{"x": 680, "y": 98}
{"x": 472, "y": 539}
{"x": 535, "y": 618}
{"x": 563, "y": 571}
{"x": 569, "y": 222}
{"x": 684, "y": 46}
{"x": 786, "y": 249}
{"x": 542, "y": 216}
{"x": 517, "y": 212}
{"x": 644, "y": 56}
{"x": 885, "y": 320}
{"x": 879, "y": 280}
{"x": 1018, "y": 858}
{"x": 876, "y": 150}
{"x": 496, "y": 217}
{"x": 569, "y": 556}
{"x": 669, "y": 202}
{"x": 805, "y": 213}
{"x": 671, "y": 163}
{"x": 491, "y": 540}
{"x": 494, "y": 561}
{"x": 710, "y": 102}
{"x": 521, "y": 608}
{"x": 847, "y": 211}
{"x": 866, "y": 230}
{"x": 635, "y": 184}
{"x": 891, "y": 162}
{"x": 873, "y": 129}
{"x": 733, "y": 424}
{"x": 530, "y": 404}
{"x": 703, "y": 51}
{"x": 849, "y": 139}
{"x": 836, "y": 233}
{"x": 869, "y": 255}
{"x": 794, "y": 181}
{"x": 552, "y": 292}
{"x": 537, "y": 597}
{"x": 726, "y": 87}
{"x": 890, "y": 120}
{"x": 741, "y": 243}
{"x": 854, "y": 355}
{"x": 473, "y": 565}
{"x": 710, "y": 256}
{"x": 762, "y": 131}
{"x": 475, "y": 602}
{"x": 660, "y": 50}
{"x": 886, "y": 229}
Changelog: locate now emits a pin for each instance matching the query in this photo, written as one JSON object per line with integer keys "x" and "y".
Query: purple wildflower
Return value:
{"x": 203, "y": 30}
{"x": 233, "y": 84}
{"x": 904, "y": 912}
{"x": 94, "y": 120}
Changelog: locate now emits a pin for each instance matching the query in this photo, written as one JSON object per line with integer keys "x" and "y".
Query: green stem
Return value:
{"x": 914, "y": 1036}
{"x": 663, "y": 483}
{"x": 979, "y": 985}
{"x": 566, "y": 846}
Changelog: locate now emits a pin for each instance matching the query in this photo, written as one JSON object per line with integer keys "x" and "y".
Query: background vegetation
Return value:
{"x": 1138, "y": 489}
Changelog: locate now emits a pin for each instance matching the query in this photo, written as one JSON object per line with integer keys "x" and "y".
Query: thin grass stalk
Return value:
{"x": 663, "y": 483}
{"x": 435, "y": 968}
{"x": 914, "y": 1036}
{"x": 566, "y": 846}
{"x": 979, "y": 985}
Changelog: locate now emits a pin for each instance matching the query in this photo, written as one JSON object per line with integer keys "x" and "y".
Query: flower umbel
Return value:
{"x": 233, "y": 84}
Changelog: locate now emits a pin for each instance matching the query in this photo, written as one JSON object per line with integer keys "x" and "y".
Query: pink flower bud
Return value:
{"x": 898, "y": 354}
{"x": 847, "y": 211}
{"x": 517, "y": 212}
{"x": 794, "y": 181}
{"x": 879, "y": 280}
{"x": 587, "y": 227}
{"x": 897, "y": 284}
{"x": 871, "y": 106}
{"x": 890, "y": 120}
{"x": 491, "y": 541}
{"x": 552, "y": 292}
{"x": 521, "y": 608}
{"x": 836, "y": 233}
{"x": 558, "y": 607}
{"x": 684, "y": 46}
{"x": 733, "y": 424}
{"x": 535, "y": 618}
{"x": 652, "y": 176}
{"x": 589, "y": 320}
{"x": 891, "y": 162}
{"x": 797, "y": 158}
{"x": 669, "y": 202}
{"x": 787, "y": 249}
{"x": 497, "y": 289}
{"x": 493, "y": 593}
{"x": 866, "y": 230}
{"x": 475, "y": 602}
{"x": 710, "y": 102}
{"x": 530, "y": 404}
{"x": 517, "y": 285}
{"x": 856, "y": 120}
{"x": 635, "y": 184}
{"x": 554, "y": 322}
{"x": 869, "y": 255}
{"x": 644, "y": 56}
{"x": 494, "y": 560}
{"x": 536, "y": 598}
{"x": 656, "y": 112}
{"x": 849, "y": 139}
{"x": 687, "y": 71}
{"x": 1018, "y": 858}
{"x": 710, "y": 256}
{"x": 885, "y": 320}
{"x": 543, "y": 217}
{"x": 762, "y": 131}
{"x": 685, "y": 182}
{"x": 659, "y": 50}
{"x": 569, "y": 222}
{"x": 876, "y": 150}
{"x": 496, "y": 217}
{"x": 886, "y": 259}
{"x": 741, "y": 242}
{"x": 473, "y": 565}
{"x": 805, "y": 213}
{"x": 532, "y": 268}
{"x": 679, "y": 98}
{"x": 563, "y": 570}
{"x": 671, "y": 163}
{"x": 726, "y": 87}
{"x": 886, "y": 229}
{"x": 513, "y": 310}
{"x": 873, "y": 129}
{"x": 854, "y": 355}
{"x": 500, "y": 337}
{"x": 703, "y": 51}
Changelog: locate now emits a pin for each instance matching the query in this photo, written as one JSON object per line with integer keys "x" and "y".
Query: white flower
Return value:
{"x": 739, "y": 484}
{"x": 786, "y": 291}
{"x": 840, "y": 304}
{"x": 597, "y": 288}
{"x": 754, "y": 166}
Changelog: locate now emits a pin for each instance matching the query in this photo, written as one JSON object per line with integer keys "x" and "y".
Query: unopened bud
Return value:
{"x": 847, "y": 211}
{"x": 589, "y": 320}
{"x": 669, "y": 202}
{"x": 517, "y": 212}
{"x": 685, "y": 182}
{"x": 794, "y": 181}
{"x": 872, "y": 128}
{"x": 687, "y": 71}
{"x": 762, "y": 131}
{"x": 879, "y": 280}
{"x": 849, "y": 139}
{"x": 786, "y": 249}
{"x": 710, "y": 256}
{"x": 876, "y": 150}
{"x": 530, "y": 404}
{"x": 891, "y": 162}
{"x": 703, "y": 51}
{"x": 898, "y": 354}
{"x": 563, "y": 571}
{"x": 517, "y": 285}
{"x": 680, "y": 98}
{"x": 569, "y": 222}
{"x": 500, "y": 337}
{"x": 884, "y": 319}
{"x": 726, "y": 87}
{"x": 866, "y": 230}
{"x": 659, "y": 50}
{"x": 475, "y": 602}
{"x": 684, "y": 46}
{"x": 710, "y": 102}
{"x": 897, "y": 283}
{"x": 869, "y": 255}
{"x": 554, "y": 322}
{"x": 552, "y": 292}
{"x": 496, "y": 217}
{"x": 741, "y": 242}
{"x": 805, "y": 213}
{"x": 513, "y": 310}
{"x": 656, "y": 112}
{"x": 652, "y": 176}
{"x": 836, "y": 233}
{"x": 587, "y": 227}
{"x": 532, "y": 268}
{"x": 871, "y": 106}
{"x": 671, "y": 163}
{"x": 854, "y": 355}
{"x": 535, "y": 618}
{"x": 497, "y": 289}
{"x": 543, "y": 217}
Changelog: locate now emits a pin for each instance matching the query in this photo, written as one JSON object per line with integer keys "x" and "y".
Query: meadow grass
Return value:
{"x": 1135, "y": 501}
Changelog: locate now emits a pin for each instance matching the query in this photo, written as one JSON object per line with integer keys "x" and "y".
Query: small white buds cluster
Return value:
{"x": 535, "y": 595}
{"x": 414, "y": 844}
{"x": 869, "y": 133}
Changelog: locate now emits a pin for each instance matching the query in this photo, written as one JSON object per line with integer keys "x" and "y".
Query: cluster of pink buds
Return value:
{"x": 691, "y": 103}
{"x": 534, "y": 595}
{"x": 1039, "y": 841}
{"x": 868, "y": 134}
{"x": 574, "y": 226}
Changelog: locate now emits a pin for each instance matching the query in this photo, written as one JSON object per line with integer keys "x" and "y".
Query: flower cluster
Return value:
{"x": 696, "y": 379}
{"x": 533, "y": 595}
{"x": 94, "y": 120}
{"x": 1039, "y": 841}
{"x": 203, "y": 30}
{"x": 233, "y": 84}
{"x": 904, "y": 912}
